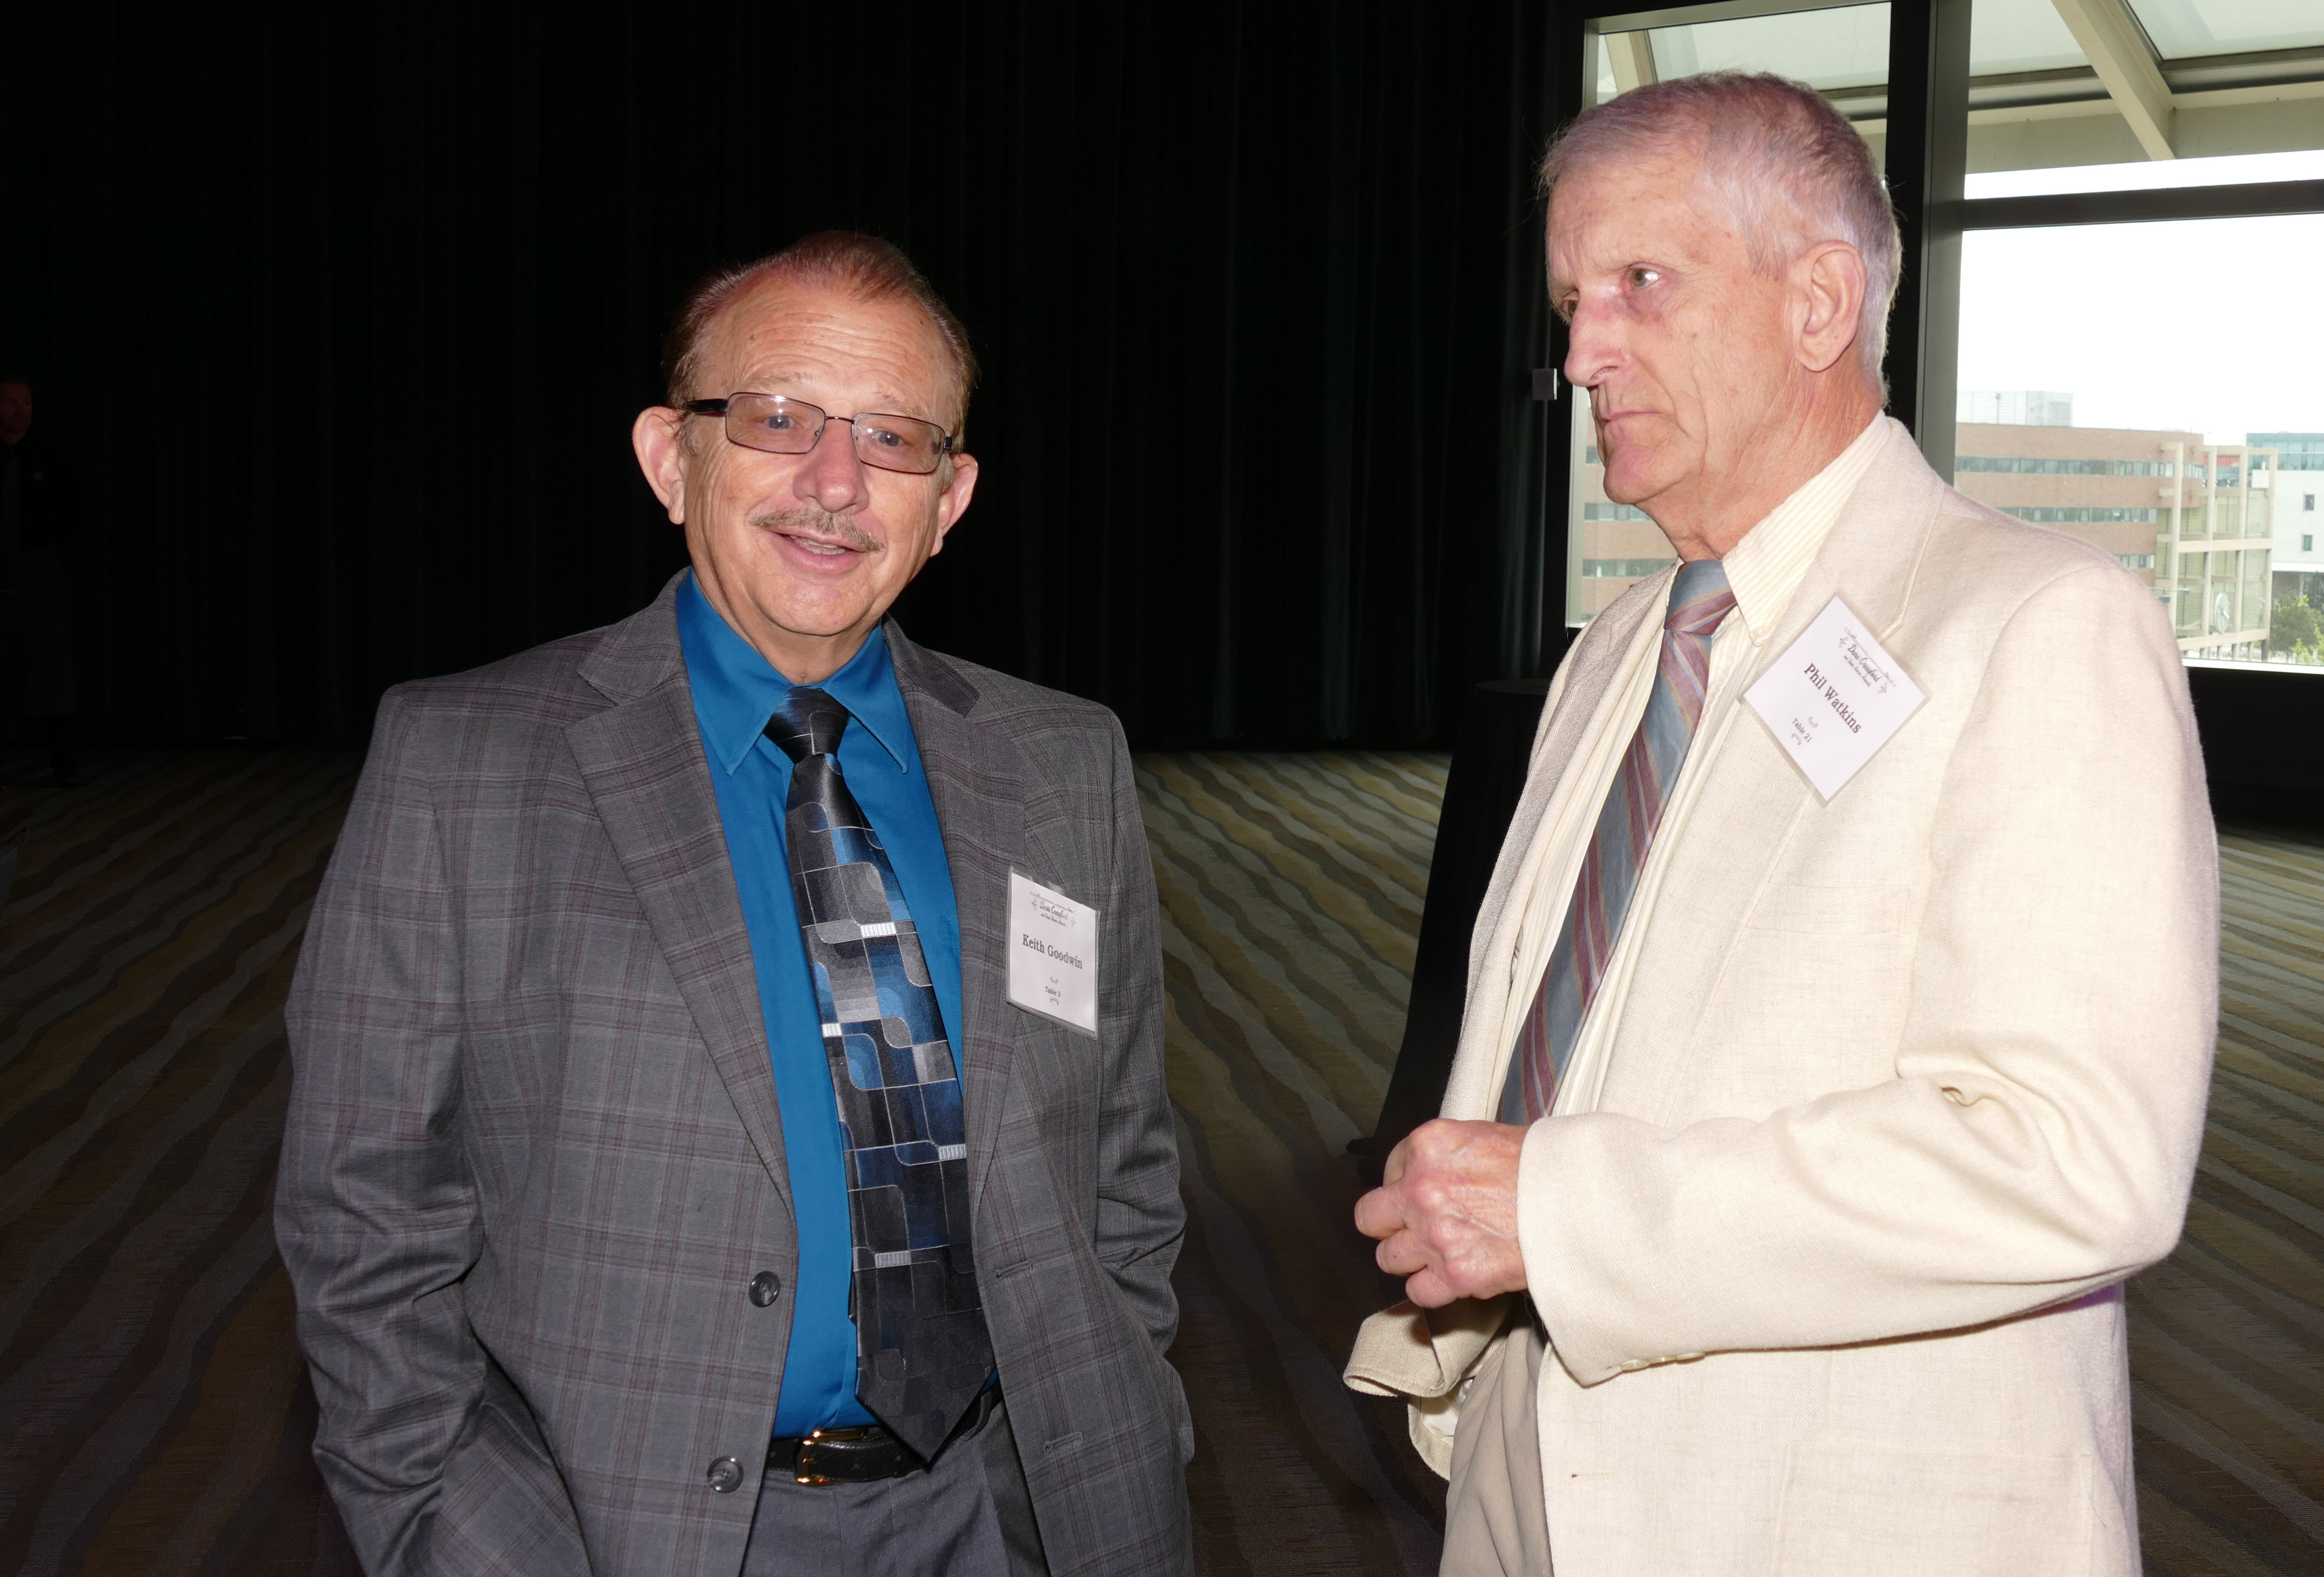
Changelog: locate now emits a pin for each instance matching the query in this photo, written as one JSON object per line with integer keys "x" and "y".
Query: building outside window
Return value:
{"x": 2298, "y": 477}
{"x": 2171, "y": 507}
{"x": 2298, "y": 577}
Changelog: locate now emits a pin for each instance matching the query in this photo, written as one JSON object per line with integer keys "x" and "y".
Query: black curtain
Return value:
{"x": 344, "y": 314}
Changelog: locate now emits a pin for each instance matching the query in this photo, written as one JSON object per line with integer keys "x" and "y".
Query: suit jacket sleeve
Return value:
{"x": 2039, "y": 1137}
{"x": 1140, "y": 1219}
{"x": 374, "y": 1209}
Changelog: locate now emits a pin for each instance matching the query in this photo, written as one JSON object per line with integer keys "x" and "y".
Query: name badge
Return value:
{"x": 1052, "y": 954}
{"x": 1835, "y": 699}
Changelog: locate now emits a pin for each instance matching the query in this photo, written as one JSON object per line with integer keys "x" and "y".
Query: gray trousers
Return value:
{"x": 967, "y": 1515}
{"x": 1495, "y": 1520}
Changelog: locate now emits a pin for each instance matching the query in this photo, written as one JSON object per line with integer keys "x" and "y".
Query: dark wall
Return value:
{"x": 2263, "y": 734}
{"x": 345, "y": 314}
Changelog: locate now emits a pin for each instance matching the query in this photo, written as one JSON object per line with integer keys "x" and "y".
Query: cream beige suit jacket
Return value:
{"x": 1902, "y": 1087}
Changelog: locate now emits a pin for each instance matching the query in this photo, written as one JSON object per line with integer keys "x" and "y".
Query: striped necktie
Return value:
{"x": 922, "y": 1352}
{"x": 1699, "y": 599}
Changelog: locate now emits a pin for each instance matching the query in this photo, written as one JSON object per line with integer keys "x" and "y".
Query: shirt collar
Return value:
{"x": 1766, "y": 567}
{"x": 736, "y": 689}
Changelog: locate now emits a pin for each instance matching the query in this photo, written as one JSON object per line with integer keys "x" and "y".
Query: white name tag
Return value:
{"x": 1835, "y": 699}
{"x": 1052, "y": 954}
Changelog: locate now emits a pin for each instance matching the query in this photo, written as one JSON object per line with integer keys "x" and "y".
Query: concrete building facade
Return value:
{"x": 2194, "y": 519}
{"x": 2200, "y": 523}
{"x": 2299, "y": 506}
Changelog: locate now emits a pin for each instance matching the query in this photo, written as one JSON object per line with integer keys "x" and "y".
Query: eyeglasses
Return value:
{"x": 778, "y": 424}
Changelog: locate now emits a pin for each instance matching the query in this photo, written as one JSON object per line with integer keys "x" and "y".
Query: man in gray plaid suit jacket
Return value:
{"x": 571, "y": 1214}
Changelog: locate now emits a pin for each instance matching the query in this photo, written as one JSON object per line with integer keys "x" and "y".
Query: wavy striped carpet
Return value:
{"x": 153, "y": 1415}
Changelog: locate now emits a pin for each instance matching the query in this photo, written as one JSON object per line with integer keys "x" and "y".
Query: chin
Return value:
{"x": 1630, "y": 490}
{"x": 819, "y": 624}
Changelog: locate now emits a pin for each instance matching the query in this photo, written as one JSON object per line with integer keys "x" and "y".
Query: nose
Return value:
{"x": 831, "y": 475}
{"x": 1592, "y": 344}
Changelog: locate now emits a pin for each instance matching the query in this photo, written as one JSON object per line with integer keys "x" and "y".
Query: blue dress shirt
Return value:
{"x": 735, "y": 691}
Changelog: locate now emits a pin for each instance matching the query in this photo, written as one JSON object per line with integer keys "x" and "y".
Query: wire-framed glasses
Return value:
{"x": 777, "y": 424}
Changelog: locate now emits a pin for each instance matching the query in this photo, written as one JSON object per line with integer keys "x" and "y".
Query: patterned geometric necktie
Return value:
{"x": 922, "y": 1352}
{"x": 1618, "y": 850}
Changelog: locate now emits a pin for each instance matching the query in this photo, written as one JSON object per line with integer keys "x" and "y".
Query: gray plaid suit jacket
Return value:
{"x": 533, "y": 1158}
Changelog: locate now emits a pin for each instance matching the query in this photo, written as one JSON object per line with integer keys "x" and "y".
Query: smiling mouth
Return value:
{"x": 819, "y": 532}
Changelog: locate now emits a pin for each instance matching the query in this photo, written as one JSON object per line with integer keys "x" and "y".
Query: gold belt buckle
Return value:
{"x": 803, "y": 1467}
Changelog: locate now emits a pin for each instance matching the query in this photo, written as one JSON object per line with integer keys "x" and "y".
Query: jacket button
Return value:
{"x": 766, "y": 1287}
{"x": 726, "y": 1475}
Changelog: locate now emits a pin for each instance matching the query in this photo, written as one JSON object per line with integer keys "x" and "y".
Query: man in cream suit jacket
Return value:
{"x": 1797, "y": 1243}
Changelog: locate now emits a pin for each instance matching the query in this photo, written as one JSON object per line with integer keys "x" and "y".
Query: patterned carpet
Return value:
{"x": 154, "y": 1416}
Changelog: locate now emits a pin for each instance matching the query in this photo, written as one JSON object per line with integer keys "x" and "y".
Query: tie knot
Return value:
{"x": 807, "y": 723}
{"x": 1699, "y": 599}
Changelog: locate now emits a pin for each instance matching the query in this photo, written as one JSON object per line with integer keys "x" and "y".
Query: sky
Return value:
{"x": 2211, "y": 326}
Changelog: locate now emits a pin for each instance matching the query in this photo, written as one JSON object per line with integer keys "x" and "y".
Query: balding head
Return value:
{"x": 1778, "y": 156}
{"x": 1723, "y": 257}
{"x": 844, "y": 262}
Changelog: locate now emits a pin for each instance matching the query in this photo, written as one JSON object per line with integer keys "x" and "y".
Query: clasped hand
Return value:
{"x": 1446, "y": 1212}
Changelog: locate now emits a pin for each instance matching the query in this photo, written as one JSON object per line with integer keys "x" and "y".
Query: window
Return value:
{"x": 2087, "y": 180}
{"x": 2174, "y": 471}
{"x": 2180, "y": 29}
{"x": 2053, "y": 466}
{"x": 2078, "y": 515}
{"x": 2100, "y": 201}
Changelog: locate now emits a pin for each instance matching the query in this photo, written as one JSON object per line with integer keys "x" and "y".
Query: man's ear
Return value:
{"x": 954, "y": 500}
{"x": 653, "y": 437}
{"x": 1829, "y": 283}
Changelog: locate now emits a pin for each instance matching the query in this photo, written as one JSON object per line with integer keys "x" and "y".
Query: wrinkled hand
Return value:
{"x": 1447, "y": 1213}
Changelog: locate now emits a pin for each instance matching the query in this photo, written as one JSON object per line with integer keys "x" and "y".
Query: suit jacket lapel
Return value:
{"x": 1580, "y": 703}
{"x": 1755, "y": 800}
{"x": 642, "y": 762}
{"x": 976, "y": 778}
{"x": 1874, "y": 552}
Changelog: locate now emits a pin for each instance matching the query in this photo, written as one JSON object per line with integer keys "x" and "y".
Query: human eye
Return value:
{"x": 1640, "y": 275}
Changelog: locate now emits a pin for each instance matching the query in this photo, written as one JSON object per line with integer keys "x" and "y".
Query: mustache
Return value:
{"x": 822, "y": 523}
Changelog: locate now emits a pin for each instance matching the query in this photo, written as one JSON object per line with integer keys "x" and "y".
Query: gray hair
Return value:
{"x": 1790, "y": 167}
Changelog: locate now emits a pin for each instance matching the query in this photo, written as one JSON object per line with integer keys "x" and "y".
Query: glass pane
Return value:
{"x": 1610, "y": 547}
{"x": 2180, "y": 28}
{"x": 1843, "y": 48}
{"x": 2019, "y": 36}
{"x": 2036, "y": 105}
{"x": 1601, "y": 76}
{"x": 2196, "y": 462}
{"x": 2307, "y": 166}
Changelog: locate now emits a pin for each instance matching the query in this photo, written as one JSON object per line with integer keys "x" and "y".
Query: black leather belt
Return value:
{"x": 866, "y": 1452}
